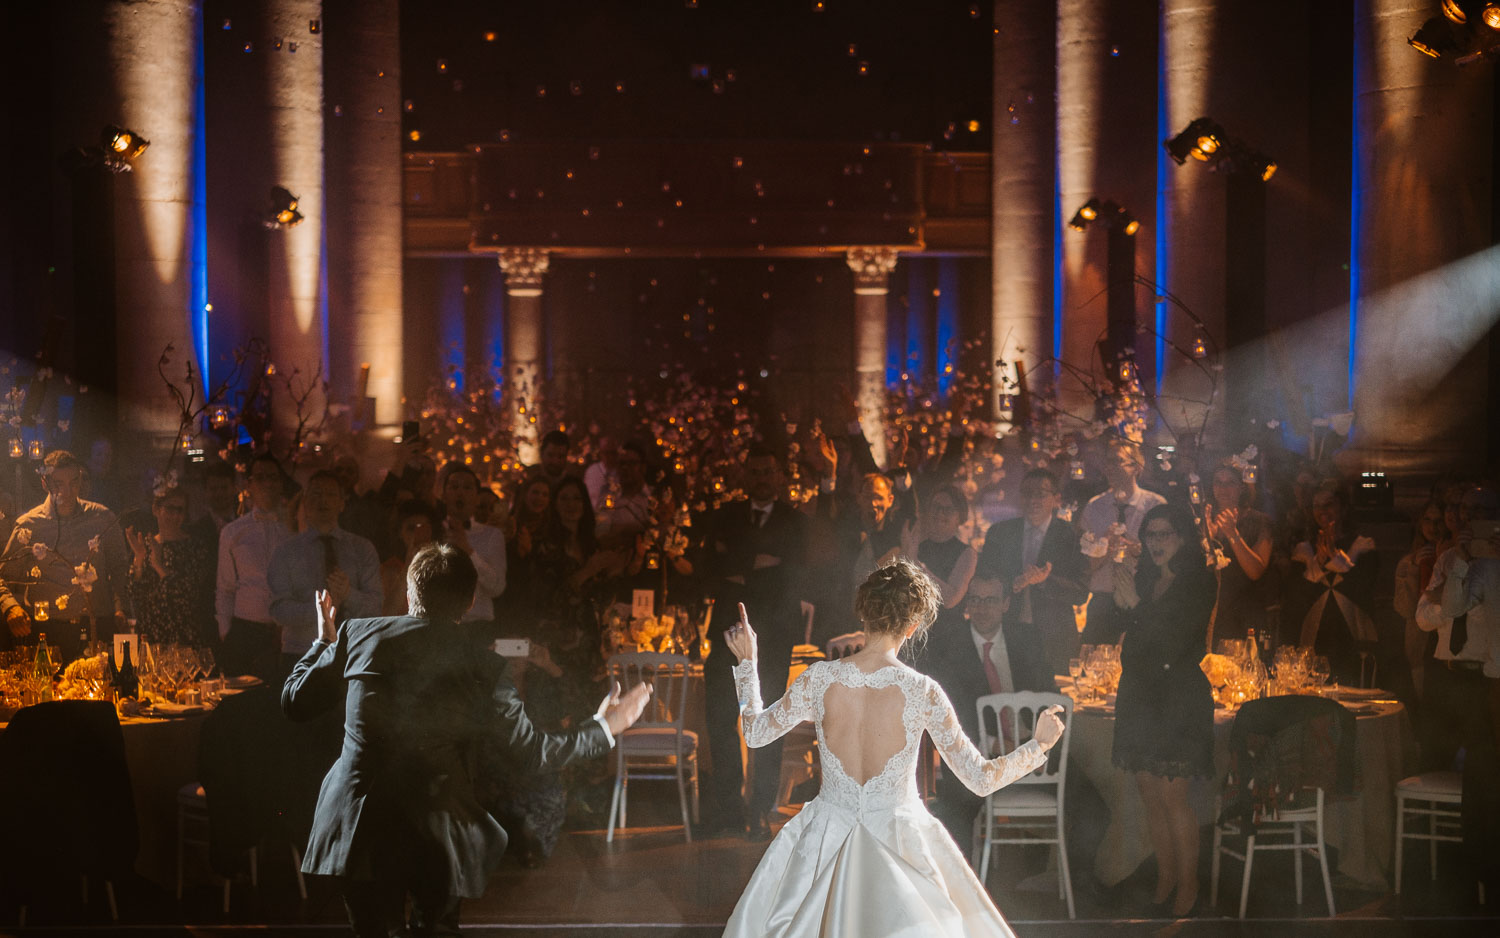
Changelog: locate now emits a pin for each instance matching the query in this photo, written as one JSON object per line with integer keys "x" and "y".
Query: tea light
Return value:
{"x": 42, "y": 611}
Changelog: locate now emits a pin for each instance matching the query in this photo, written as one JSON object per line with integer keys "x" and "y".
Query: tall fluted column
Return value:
{"x": 154, "y": 74}
{"x": 1424, "y": 277}
{"x": 362, "y": 69}
{"x": 525, "y": 341}
{"x": 1023, "y": 127}
{"x": 872, "y": 268}
{"x": 292, "y": 111}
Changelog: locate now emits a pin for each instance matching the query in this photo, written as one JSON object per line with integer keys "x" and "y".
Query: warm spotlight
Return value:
{"x": 125, "y": 144}
{"x": 1090, "y": 209}
{"x": 1201, "y": 140}
{"x": 1455, "y": 12}
{"x": 1491, "y": 15}
{"x": 1108, "y": 213}
{"x": 283, "y": 211}
{"x": 1129, "y": 223}
{"x": 1436, "y": 38}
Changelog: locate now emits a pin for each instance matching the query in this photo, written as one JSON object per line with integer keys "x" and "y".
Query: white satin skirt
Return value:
{"x": 896, "y": 874}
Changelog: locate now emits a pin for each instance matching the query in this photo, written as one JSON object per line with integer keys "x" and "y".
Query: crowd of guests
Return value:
{"x": 1030, "y": 569}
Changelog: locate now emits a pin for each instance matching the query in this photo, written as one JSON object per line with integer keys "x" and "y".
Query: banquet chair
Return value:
{"x": 656, "y": 747}
{"x": 1032, "y": 807}
{"x": 260, "y": 775}
{"x": 56, "y": 759}
{"x": 842, "y": 646}
{"x": 1438, "y": 796}
{"x": 1288, "y": 755}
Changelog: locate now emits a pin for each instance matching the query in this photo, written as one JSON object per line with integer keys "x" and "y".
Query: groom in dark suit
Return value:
{"x": 753, "y": 553}
{"x": 397, "y": 812}
{"x": 1037, "y": 555}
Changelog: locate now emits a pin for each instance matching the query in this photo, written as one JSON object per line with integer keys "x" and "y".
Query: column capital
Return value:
{"x": 872, "y": 266}
{"x": 524, "y": 269}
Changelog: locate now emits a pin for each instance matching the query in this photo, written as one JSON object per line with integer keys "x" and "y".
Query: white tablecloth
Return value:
{"x": 1361, "y": 829}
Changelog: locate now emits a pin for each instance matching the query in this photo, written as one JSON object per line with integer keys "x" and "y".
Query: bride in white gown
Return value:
{"x": 865, "y": 858}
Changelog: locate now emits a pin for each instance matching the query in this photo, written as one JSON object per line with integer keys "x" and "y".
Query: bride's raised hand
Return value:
{"x": 741, "y": 637}
{"x": 1049, "y": 728}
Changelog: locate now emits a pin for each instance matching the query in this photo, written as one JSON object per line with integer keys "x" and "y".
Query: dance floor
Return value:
{"x": 650, "y": 883}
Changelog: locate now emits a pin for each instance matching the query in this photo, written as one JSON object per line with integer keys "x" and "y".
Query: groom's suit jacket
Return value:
{"x": 399, "y": 803}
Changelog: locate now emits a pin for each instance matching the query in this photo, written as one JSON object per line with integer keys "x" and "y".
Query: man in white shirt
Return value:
{"x": 242, "y": 601}
{"x": 484, "y": 545}
{"x": 1114, "y": 515}
{"x": 625, "y": 513}
{"x": 1462, "y": 605}
{"x": 601, "y": 477}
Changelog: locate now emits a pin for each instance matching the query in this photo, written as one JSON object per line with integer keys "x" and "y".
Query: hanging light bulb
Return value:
{"x": 1200, "y": 347}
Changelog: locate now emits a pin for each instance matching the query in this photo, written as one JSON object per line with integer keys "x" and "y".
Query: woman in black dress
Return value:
{"x": 171, "y": 579}
{"x": 946, "y": 557}
{"x": 1244, "y": 535}
{"x": 1164, "y": 712}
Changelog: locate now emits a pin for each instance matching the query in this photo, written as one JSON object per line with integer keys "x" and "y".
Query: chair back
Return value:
{"x": 66, "y": 803}
{"x": 1282, "y": 750}
{"x": 808, "y": 610}
{"x": 842, "y": 646}
{"x": 669, "y": 676}
{"x": 261, "y": 772}
{"x": 1018, "y": 711}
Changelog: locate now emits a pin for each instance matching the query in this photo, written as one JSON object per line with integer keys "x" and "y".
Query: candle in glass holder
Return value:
{"x": 17, "y": 450}
{"x": 42, "y": 611}
{"x": 35, "y": 449}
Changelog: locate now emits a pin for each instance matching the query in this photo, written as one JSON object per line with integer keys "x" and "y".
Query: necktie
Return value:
{"x": 1007, "y": 727}
{"x": 330, "y": 556}
{"x": 1458, "y": 635}
{"x": 762, "y": 515}
{"x": 1124, "y": 510}
{"x": 990, "y": 673}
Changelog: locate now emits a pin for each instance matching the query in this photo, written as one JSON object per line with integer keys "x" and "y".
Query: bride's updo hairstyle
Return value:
{"x": 896, "y": 597}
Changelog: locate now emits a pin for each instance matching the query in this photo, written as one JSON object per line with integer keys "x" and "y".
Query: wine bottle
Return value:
{"x": 126, "y": 682}
{"x": 43, "y": 670}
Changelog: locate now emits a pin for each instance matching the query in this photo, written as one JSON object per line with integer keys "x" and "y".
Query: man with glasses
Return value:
{"x": 970, "y": 660}
{"x": 1037, "y": 556}
{"x": 242, "y": 601}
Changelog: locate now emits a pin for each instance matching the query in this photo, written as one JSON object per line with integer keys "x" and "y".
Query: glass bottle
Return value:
{"x": 43, "y": 670}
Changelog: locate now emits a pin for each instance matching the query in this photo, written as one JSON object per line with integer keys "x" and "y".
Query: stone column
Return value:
{"x": 362, "y": 68}
{"x": 154, "y": 77}
{"x": 292, "y": 113}
{"x": 1023, "y": 126}
{"x": 1423, "y": 272}
{"x": 525, "y": 342}
{"x": 872, "y": 268}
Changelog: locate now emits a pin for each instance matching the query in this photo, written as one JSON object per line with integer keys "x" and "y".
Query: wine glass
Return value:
{"x": 1075, "y": 668}
{"x": 1319, "y": 672}
{"x": 206, "y": 662}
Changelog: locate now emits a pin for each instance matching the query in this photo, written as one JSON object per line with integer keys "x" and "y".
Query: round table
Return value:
{"x": 1361, "y": 828}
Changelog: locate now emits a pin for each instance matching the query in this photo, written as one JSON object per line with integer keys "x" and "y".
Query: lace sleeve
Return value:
{"x": 762, "y": 725}
{"x": 982, "y": 776}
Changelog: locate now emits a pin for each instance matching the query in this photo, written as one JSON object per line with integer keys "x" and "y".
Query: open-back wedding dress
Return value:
{"x": 867, "y": 859}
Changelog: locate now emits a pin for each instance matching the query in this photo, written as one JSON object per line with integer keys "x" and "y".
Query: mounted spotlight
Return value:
{"x": 1262, "y": 165}
{"x": 1085, "y": 214}
{"x": 1108, "y": 213}
{"x": 1490, "y": 15}
{"x": 1201, "y": 140}
{"x": 283, "y": 212}
{"x": 123, "y": 144}
{"x": 117, "y": 148}
{"x": 1455, "y": 11}
{"x": 1437, "y": 37}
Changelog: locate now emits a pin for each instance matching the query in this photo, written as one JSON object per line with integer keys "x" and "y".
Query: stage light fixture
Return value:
{"x": 1436, "y": 38}
{"x": 1201, "y": 140}
{"x": 1490, "y": 15}
{"x": 1085, "y": 214}
{"x": 124, "y": 144}
{"x": 1109, "y": 213}
{"x": 1263, "y": 166}
{"x": 1455, "y": 11}
{"x": 283, "y": 212}
{"x": 1127, "y": 222}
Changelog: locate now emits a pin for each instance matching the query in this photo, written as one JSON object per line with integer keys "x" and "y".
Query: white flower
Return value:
{"x": 1091, "y": 546}
{"x": 1219, "y": 560}
{"x": 39, "y": 551}
{"x": 1273, "y": 424}
{"x": 1250, "y": 452}
{"x": 1193, "y": 478}
{"x": 1065, "y": 513}
{"x": 1117, "y": 529}
{"x": 94, "y": 544}
{"x": 84, "y": 576}
{"x": 23, "y": 536}
{"x": 62, "y": 426}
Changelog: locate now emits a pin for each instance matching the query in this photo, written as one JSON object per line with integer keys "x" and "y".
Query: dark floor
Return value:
{"x": 649, "y": 882}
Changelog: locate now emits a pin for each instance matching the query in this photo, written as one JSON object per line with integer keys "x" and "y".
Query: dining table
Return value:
{"x": 1360, "y": 828}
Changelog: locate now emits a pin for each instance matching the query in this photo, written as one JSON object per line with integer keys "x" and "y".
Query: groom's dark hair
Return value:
{"x": 441, "y": 582}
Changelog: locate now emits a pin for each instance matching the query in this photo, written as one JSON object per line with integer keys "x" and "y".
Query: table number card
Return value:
{"x": 642, "y": 604}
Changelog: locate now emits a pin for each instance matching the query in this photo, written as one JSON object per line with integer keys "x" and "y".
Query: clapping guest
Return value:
{"x": 251, "y": 637}
{"x": 1337, "y": 586}
{"x": 170, "y": 577}
{"x": 947, "y": 558}
{"x": 1037, "y": 557}
{"x": 624, "y": 514}
{"x": 1244, "y": 535}
{"x": 417, "y": 524}
{"x": 321, "y": 556}
{"x": 532, "y": 504}
{"x": 567, "y": 560}
{"x": 1114, "y": 515}
{"x": 484, "y": 545}
{"x": 1413, "y": 574}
